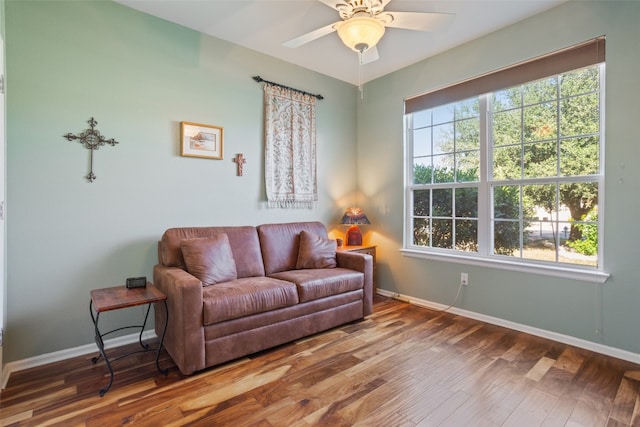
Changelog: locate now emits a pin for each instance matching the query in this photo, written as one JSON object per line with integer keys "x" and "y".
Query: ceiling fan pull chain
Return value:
{"x": 360, "y": 75}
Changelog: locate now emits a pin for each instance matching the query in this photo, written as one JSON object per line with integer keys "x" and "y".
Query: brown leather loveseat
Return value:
{"x": 233, "y": 291}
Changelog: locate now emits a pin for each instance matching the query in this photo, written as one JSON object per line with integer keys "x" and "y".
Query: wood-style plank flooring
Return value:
{"x": 402, "y": 366}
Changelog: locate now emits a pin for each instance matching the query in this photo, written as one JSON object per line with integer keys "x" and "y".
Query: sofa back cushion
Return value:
{"x": 209, "y": 259}
{"x": 243, "y": 240}
{"x": 280, "y": 243}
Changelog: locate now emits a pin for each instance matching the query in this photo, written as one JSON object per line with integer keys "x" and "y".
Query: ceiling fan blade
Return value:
{"x": 308, "y": 37}
{"x": 370, "y": 55}
{"x": 420, "y": 21}
{"x": 331, "y": 3}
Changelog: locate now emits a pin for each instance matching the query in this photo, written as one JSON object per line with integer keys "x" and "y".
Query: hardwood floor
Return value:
{"x": 403, "y": 366}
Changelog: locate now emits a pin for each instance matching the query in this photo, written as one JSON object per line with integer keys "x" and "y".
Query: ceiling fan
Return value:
{"x": 364, "y": 22}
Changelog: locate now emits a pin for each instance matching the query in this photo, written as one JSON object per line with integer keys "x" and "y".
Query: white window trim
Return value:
{"x": 560, "y": 270}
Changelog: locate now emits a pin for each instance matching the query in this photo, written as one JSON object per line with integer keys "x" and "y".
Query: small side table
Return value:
{"x": 369, "y": 250}
{"x": 118, "y": 297}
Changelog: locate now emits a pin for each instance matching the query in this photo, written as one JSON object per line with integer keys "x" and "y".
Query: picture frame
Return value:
{"x": 200, "y": 140}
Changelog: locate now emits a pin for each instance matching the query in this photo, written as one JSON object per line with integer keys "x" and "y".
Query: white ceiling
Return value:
{"x": 263, "y": 25}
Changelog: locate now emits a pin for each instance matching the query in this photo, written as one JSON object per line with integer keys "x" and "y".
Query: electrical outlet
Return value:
{"x": 464, "y": 279}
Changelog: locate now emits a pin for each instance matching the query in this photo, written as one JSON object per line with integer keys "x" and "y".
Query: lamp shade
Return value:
{"x": 354, "y": 216}
{"x": 360, "y": 32}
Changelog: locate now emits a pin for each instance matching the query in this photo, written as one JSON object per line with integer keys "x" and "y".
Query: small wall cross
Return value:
{"x": 92, "y": 140}
{"x": 240, "y": 160}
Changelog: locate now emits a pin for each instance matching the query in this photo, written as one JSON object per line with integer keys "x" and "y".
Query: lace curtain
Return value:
{"x": 290, "y": 148}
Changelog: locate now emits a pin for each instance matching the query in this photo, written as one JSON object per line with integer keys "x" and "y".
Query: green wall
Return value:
{"x": 608, "y": 313}
{"x": 139, "y": 76}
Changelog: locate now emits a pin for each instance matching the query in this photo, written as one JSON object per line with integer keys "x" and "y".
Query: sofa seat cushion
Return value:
{"x": 244, "y": 297}
{"x": 314, "y": 284}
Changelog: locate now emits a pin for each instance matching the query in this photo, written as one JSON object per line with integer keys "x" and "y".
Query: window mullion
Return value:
{"x": 601, "y": 193}
{"x": 408, "y": 176}
{"x": 484, "y": 188}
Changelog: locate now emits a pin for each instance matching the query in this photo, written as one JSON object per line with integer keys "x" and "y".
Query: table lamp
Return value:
{"x": 354, "y": 216}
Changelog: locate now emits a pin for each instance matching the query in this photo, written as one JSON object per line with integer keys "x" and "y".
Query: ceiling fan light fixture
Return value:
{"x": 360, "y": 32}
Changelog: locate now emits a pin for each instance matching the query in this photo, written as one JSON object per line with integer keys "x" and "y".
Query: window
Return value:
{"x": 511, "y": 174}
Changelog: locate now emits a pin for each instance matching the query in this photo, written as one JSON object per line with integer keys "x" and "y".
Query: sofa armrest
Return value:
{"x": 184, "y": 339}
{"x": 364, "y": 264}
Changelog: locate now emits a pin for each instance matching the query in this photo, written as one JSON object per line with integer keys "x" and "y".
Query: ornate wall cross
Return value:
{"x": 92, "y": 140}
{"x": 240, "y": 160}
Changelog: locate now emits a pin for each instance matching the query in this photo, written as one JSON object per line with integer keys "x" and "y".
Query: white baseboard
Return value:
{"x": 566, "y": 339}
{"x": 56, "y": 356}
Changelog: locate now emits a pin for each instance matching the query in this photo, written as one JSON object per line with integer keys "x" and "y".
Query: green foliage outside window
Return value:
{"x": 438, "y": 203}
{"x": 588, "y": 245}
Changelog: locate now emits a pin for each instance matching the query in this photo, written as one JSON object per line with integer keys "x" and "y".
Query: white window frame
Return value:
{"x": 484, "y": 256}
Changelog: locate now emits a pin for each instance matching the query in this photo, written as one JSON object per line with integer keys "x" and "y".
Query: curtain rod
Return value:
{"x": 260, "y": 79}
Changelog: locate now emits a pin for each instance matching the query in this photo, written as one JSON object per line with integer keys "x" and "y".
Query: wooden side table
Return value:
{"x": 369, "y": 250}
{"x": 115, "y": 298}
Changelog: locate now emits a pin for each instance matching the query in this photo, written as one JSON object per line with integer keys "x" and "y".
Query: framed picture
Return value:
{"x": 200, "y": 140}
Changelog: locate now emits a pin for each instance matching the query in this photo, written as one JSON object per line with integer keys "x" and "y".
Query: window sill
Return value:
{"x": 563, "y": 272}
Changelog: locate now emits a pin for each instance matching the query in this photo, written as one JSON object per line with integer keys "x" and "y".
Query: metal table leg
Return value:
{"x": 145, "y": 347}
{"x": 164, "y": 331}
{"x": 100, "y": 344}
